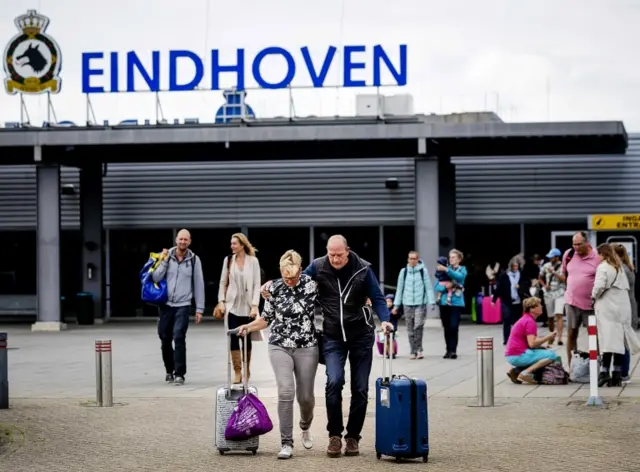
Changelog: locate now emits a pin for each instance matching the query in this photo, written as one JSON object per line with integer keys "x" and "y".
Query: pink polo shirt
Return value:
{"x": 517, "y": 343}
{"x": 582, "y": 274}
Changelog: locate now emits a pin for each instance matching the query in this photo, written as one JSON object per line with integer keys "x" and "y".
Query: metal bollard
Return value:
{"x": 4, "y": 373}
{"x": 104, "y": 383}
{"x": 594, "y": 398}
{"x": 484, "y": 350}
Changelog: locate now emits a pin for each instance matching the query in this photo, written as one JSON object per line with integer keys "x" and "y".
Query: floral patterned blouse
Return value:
{"x": 289, "y": 313}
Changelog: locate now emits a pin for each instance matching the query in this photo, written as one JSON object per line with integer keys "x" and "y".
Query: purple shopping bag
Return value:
{"x": 249, "y": 419}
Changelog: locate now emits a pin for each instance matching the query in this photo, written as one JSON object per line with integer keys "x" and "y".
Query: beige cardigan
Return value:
{"x": 251, "y": 276}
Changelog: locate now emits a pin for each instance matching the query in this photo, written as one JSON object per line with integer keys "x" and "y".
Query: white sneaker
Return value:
{"x": 286, "y": 452}
{"x": 306, "y": 439}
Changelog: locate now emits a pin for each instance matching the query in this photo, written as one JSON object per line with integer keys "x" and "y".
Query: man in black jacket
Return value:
{"x": 512, "y": 288}
{"x": 345, "y": 281}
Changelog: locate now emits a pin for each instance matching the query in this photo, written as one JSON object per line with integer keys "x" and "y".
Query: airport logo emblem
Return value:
{"x": 32, "y": 59}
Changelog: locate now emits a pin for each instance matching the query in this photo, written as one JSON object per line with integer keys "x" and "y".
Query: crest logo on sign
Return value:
{"x": 32, "y": 59}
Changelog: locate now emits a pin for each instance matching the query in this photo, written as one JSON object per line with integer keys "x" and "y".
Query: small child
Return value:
{"x": 443, "y": 279}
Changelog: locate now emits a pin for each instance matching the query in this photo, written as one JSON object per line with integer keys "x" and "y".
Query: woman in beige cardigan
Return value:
{"x": 239, "y": 294}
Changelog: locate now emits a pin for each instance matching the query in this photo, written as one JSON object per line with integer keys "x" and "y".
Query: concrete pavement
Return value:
{"x": 160, "y": 427}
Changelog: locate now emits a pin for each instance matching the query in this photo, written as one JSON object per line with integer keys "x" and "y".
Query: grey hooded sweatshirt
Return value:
{"x": 180, "y": 288}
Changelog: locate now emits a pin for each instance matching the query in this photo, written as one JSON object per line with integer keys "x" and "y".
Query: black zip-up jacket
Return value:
{"x": 503, "y": 290}
{"x": 342, "y": 295}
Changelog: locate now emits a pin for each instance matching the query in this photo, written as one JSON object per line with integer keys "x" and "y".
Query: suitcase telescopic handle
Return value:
{"x": 245, "y": 383}
{"x": 386, "y": 362}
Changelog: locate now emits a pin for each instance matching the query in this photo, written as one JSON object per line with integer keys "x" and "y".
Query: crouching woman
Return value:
{"x": 523, "y": 347}
{"x": 293, "y": 346}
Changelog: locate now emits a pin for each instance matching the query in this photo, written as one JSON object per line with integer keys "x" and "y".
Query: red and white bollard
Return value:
{"x": 594, "y": 398}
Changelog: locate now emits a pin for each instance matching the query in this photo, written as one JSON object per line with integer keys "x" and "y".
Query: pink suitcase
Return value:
{"x": 491, "y": 314}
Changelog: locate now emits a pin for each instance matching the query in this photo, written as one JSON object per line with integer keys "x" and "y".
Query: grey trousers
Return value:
{"x": 295, "y": 371}
{"x": 414, "y": 318}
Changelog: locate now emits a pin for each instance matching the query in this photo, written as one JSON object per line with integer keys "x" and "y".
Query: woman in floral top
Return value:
{"x": 293, "y": 346}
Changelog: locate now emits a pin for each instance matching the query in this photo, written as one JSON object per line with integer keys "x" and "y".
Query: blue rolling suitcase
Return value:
{"x": 402, "y": 419}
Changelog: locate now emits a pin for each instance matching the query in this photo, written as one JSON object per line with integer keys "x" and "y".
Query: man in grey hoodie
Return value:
{"x": 185, "y": 285}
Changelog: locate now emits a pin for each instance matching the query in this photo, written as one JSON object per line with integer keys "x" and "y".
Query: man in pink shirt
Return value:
{"x": 579, "y": 270}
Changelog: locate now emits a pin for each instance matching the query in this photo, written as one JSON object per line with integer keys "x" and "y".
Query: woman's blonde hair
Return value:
{"x": 530, "y": 303}
{"x": 244, "y": 242}
{"x": 609, "y": 255}
{"x": 622, "y": 253}
{"x": 457, "y": 253}
{"x": 290, "y": 263}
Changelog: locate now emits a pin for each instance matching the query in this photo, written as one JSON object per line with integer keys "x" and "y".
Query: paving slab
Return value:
{"x": 176, "y": 434}
{"x": 158, "y": 427}
{"x": 62, "y": 365}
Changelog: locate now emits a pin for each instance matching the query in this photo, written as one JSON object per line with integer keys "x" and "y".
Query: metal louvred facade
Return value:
{"x": 18, "y": 198}
{"x": 547, "y": 189}
{"x": 223, "y": 194}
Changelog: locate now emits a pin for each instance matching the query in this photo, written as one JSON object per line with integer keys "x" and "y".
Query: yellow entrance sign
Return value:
{"x": 614, "y": 222}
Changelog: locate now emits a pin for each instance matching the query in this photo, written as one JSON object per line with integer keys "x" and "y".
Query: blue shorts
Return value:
{"x": 531, "y": 356}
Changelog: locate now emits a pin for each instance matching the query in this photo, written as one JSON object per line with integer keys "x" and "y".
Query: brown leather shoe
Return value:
{"x": 513, "y": 376}
{"x": 351, "y": 449}
{"x": 335, "y": 446}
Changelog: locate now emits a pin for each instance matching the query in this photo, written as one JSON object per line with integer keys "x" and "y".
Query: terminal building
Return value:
{"x": 426, "y": 182}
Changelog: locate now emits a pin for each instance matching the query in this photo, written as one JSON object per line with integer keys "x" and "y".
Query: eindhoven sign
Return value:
{"x": 33, "y": 60}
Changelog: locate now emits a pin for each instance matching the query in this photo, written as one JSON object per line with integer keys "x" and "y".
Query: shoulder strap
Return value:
{"x": 424, "y": 287}
{"x": 194, "y": 259}
{"x": 229, "y": 262}
{"x": 567, "y": 258}
{"x": 404, "y": 277}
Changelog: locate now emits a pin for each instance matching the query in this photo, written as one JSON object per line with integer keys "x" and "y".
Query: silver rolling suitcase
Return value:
{"x": 226, "y": 400}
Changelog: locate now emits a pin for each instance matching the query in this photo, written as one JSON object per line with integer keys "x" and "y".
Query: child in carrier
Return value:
{"x": 443, "y": 279}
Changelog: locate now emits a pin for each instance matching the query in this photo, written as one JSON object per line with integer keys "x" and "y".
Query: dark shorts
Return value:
{"x": 577, "y": 317}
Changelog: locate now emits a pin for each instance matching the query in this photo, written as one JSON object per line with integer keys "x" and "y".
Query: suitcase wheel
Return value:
{"x": 379, "y": 456}
{"x": 221, "y": 452}
{"x": 254, "y": 452}
{"x": 425, "y": 458}
{"x": 398, "y": 459}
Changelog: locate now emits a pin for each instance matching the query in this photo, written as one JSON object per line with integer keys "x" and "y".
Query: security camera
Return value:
{"x": 392, "y": 183}
{"x": 68, "y": 189}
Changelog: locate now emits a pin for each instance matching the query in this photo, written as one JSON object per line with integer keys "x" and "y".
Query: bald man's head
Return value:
{"x": 338, "y": 251}
{"x": 183, "y": 240}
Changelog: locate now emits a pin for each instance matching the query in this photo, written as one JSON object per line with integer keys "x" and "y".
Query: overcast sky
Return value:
{"x": 528, "y": 61}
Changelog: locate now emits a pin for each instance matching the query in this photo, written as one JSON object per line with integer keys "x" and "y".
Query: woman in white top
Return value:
{"x": 613, "y": 315}
{"x": 239, "y": 295}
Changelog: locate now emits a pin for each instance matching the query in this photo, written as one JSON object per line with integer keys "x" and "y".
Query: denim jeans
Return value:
{"x": 450, "y": 317}
{"x": 173, "y": 323}
{"x": 360, "y": 355}
{"x": 626, "y": 364}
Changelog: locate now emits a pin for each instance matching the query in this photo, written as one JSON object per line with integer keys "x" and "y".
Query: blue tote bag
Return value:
{"x": 153, "y": 293}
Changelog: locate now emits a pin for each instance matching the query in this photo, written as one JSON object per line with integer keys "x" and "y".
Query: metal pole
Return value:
{"x": 4, "y": 373}
{"x": 104, "y": 381}
{"x": 484, "y": 349}
{"x": 107, "y": 379}
{"x": 99, "y": 373}
{"x": 594, "y": 398}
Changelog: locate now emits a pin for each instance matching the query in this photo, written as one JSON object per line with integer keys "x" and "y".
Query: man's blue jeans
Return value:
{"x": 173, "y": 323}
{"x": 360, "y": 354}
